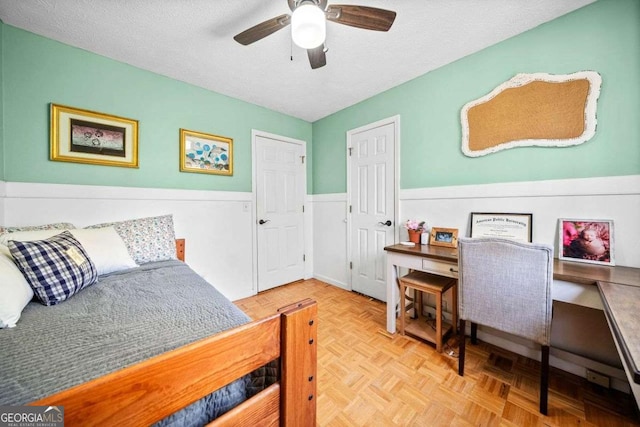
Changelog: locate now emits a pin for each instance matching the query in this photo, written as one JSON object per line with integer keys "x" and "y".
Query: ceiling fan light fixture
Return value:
{"x": 308, "y": 25}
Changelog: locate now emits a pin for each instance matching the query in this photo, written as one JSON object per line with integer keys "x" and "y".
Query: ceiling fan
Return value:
{"x": 308, "y": 24}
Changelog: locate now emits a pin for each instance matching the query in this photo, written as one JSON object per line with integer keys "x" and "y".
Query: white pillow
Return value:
{"x": 15, "y": 292}
{"x": 104, "y": 246}
{"x": 147, "y": 239}
{"x": 106, "y": 249}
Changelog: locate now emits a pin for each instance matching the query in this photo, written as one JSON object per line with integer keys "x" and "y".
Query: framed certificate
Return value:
{"x": 514, "y": 226}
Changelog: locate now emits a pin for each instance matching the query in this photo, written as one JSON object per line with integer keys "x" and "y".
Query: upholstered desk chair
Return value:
{"x": 506, "y": 285}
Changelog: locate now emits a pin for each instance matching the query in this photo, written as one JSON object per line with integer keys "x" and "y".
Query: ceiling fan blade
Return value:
{"x": 317, "y": 57}
{"x": 369, "y": 18}
{"x": 263, "y": 29}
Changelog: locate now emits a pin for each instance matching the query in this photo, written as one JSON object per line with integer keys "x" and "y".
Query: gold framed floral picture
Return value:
{"x": 205, "y": 153}
{"x": 84, "y": 136}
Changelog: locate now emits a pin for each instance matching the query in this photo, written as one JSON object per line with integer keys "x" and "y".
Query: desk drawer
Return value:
{"x": 441, "y": 268}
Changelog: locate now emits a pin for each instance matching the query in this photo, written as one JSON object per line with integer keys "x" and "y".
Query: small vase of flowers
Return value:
{"x": 415, "y": 229}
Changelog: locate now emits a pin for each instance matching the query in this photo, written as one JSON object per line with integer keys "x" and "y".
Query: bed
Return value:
{"x": 194, "y": 352}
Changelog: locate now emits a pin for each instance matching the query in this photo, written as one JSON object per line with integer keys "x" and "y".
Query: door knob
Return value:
{"x": 262, "y": 221}
{"x": 388, "y": 223}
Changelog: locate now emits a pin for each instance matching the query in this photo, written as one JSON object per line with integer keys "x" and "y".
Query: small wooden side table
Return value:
{"x": 435, "y": 285}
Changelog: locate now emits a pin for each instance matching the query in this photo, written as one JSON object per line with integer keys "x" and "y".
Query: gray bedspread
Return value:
{"x": 123, "y": 319}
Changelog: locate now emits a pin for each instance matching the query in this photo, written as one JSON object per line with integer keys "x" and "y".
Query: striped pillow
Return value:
{"x": 56, "y": 268}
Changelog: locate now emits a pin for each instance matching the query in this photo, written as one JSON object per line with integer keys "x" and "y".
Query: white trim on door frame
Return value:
{"x": 395, "y": 120}
{"x": 254, "y": 230}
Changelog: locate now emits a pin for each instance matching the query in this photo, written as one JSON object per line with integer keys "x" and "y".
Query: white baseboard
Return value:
{"x": 332, "y": 282}
{"x": 563, "y": 360}
{"x": 560, "y": 359}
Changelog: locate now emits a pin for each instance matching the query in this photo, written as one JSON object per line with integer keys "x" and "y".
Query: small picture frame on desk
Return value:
{"x": 586, "y": 240}
{"x": 447, "y": 237}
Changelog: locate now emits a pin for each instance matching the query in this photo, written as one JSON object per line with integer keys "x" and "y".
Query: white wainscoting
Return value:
{"x": 330, "y": 239}
{"x": 217, "y": 225}
{"x": 616, "y": 198}
{"x": 308, "y": 237}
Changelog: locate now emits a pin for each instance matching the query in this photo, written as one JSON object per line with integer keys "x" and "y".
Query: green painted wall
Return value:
{"x": 604, "y": 37}
{"x": 38, "y": 71}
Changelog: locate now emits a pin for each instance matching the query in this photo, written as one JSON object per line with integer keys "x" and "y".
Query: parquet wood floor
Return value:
{"x": 367, "y": 377}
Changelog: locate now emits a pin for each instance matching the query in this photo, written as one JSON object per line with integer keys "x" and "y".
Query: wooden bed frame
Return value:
{"x": 151, "y": 390}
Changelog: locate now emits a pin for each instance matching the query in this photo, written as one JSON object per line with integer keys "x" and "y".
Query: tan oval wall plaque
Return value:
{"x": 532, "y": 109}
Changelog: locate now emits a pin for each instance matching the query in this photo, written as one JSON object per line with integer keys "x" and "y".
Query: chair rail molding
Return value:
{"x": 613, "y": 185}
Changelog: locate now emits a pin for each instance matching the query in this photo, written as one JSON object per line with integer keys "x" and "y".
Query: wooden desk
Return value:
{"x": 622, "y": 310}
{"x": 619, "y": 289}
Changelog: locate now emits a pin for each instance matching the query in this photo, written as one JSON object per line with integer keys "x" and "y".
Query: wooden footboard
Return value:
{"x": 155, "y": 388}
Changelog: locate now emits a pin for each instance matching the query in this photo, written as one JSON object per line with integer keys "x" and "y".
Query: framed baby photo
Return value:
{"x": 586, "y": 240}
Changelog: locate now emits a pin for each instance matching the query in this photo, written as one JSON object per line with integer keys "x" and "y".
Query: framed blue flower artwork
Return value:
{"x": 205, "y": 153}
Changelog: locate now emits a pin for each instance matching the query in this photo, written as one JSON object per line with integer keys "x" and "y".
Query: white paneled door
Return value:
{"x": 372, "y": 205}
{"x": 280, "y": 190}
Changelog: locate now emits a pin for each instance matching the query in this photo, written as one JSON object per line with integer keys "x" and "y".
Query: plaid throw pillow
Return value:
{"x": 56, "y": 268}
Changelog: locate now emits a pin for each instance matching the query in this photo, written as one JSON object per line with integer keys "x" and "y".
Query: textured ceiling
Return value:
{"x": 191, "y": 40}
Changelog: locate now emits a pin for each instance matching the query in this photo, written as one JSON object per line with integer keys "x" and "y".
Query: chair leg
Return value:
{"x": 544, "y": 379}
{"x": 474, "y": 333}
{"x": 461, "y": 347}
